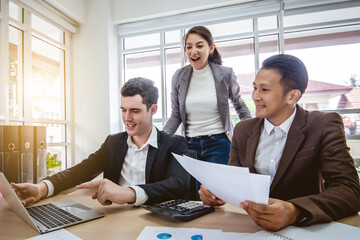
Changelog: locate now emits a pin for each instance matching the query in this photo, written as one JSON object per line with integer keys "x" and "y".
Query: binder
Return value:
{"x": 1, "y": 149}
{"x": 40, "y": 170}
{"x": 11, "y": 162}
{"x": 26, "y": 136}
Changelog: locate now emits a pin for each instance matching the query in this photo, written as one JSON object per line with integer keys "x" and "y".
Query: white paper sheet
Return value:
{"x": 153, "y": 233}
{"x": 324, "y": 231}
{"x": 61, "y": 234}
{"x": 233, "y": 236}
{"x": 229, "y": 183}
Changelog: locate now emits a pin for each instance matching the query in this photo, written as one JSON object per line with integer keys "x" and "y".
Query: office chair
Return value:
{"x": 191, "y": 193}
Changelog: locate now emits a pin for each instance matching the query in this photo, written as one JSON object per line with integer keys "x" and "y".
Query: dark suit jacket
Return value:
{"x": 165, "y": 178}
{"x": 316, "y": 171}
{"x": 226, "y": 88}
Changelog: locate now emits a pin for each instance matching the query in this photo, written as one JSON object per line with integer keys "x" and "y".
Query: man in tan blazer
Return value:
{"x": 313, "y": 177}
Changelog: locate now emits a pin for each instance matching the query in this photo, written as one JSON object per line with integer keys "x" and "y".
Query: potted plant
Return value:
{"x": 53, "y": 165}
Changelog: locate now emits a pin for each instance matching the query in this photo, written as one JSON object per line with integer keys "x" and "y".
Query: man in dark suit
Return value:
{"x": 138, "y": 165}
{"x": 313, "y": 177}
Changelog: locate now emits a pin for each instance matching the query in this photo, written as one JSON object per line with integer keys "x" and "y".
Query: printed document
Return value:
{"x": 230, "y": 183}
{"x": 324, "y": 231}
{"x": 152, "y": 233}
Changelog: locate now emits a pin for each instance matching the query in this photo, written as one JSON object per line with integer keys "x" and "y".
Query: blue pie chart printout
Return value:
{"x": 164, "y": 236}
{"x": 197, "y": 237}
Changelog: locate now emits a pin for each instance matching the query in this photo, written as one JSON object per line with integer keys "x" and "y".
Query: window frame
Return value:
{"x": 28, "y": 33}
{"x": 278, "y": 8}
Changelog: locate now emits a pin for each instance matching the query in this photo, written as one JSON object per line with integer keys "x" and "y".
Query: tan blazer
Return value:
{"x": 316, "y": 171}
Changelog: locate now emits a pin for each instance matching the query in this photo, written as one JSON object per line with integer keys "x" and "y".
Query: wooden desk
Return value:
{"x": 127, "y": 222}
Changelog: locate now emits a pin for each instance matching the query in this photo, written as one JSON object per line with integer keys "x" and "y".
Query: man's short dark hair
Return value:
{"x": 292, "y": 69}
{"x": 142, "y": 86}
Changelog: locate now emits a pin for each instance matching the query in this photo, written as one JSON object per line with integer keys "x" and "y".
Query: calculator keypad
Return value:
{"x": 180, "y": 209}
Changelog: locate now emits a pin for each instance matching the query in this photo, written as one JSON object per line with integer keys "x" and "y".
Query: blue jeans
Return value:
{"x": 213, "y": 148}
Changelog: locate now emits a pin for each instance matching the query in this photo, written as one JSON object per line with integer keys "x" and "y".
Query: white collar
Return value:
{"x": 152, "y": 140}
{"x": 285, "y": 126}
{"x": 200, "y": 71}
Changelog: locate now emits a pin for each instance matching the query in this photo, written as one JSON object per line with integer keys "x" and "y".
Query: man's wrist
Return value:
{"x": 295, "y": 213}
{"x": 132, "y": 195}
{"x": 43, "y": 189}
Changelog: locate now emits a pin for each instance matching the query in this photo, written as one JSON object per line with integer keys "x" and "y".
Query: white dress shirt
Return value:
{"x": 133, "y": 169}
{"x": 271, "y": 146}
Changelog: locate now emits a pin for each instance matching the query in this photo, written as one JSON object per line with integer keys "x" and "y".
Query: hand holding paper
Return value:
{"x": 230, "y": 183}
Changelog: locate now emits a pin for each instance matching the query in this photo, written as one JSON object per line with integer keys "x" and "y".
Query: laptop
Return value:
{"x": 47, "y": 217}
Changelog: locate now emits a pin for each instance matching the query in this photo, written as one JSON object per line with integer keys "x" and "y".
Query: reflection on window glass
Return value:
{"x": 239, "y": 55}
{"x": 332, "y": 67}
{"x": 230, "y": 28}
{"x": 351, "y": 123}
{"x": 55, "y": 133}
{"x": 16, "y": 123}
{"x": 15, "y": 12}
{"x": 268, "y": 46}
{"x": 265, "y": 23}
{"x": 146, "y": 65}
{"x": 47, "y": 81}
{"x": 15, "y": 72}
{"x": 55, "y": 159}
{"x": 334, "y": 76}
{"x": 172, "y": 36}
{"x": 158, "y": 125}
{"x": 173, "y": 63}
{"x": 46, "y": 28}
{"x": 142, "y": 41}
{"x": 321, "y": 17}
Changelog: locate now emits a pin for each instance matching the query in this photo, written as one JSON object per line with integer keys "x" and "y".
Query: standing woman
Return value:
{"x": 199, "y": 99}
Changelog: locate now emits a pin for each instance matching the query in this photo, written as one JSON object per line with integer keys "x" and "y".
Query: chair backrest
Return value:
{"x": 191, "y": 153}
{"x": 191, "y": 193}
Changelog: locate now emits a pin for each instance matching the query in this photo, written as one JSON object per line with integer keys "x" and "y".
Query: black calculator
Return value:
{"x": 180, "y": 209}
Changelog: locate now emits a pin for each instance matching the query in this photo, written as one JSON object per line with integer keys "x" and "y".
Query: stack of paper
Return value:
{"x": 230, "y": 183}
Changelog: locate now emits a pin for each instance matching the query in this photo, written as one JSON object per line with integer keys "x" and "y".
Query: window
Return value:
{"x": 326, "y": 36}
{"x": 37, "y": 76}
{"x": 15, "y": 72}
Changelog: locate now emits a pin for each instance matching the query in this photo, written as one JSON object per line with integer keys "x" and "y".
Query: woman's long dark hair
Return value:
{"x": 215, "y": 56}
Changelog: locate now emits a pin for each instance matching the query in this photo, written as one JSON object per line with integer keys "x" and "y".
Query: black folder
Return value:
{"x": 26, "y": 136}
{"x": 11, "y": 162}
{"x": 40, "y": 170}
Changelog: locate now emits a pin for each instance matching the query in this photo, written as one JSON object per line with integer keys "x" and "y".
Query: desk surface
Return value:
{"x": 127, "y": 221}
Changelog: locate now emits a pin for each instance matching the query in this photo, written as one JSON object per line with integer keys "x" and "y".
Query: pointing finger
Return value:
{"x": 93, "y": 184}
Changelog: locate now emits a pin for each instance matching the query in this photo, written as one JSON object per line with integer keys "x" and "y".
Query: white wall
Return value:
{"x": 91, "y": 77}
{"x": 77, "y": 10}
{"x": 125, "y": 10}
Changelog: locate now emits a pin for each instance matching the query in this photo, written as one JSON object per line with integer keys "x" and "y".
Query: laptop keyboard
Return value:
{"x": 52, "y": 216}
